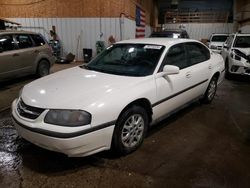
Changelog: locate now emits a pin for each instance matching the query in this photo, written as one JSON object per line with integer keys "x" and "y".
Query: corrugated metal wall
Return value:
{"x": 200, "y": 31}
{"x": 78, "y": 33}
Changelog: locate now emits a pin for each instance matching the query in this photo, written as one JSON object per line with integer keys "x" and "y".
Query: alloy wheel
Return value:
{"x": 132, "y": 131}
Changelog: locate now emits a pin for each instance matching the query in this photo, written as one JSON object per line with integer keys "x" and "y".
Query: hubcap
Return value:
{"x": 212, "y": 90}
{"x": 132, "y": 131}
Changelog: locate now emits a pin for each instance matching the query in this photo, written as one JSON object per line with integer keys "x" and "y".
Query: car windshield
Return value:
{"x": 219, "y": 38}
{"x": 242, "y": 42}
{"x": 127, "y": 59}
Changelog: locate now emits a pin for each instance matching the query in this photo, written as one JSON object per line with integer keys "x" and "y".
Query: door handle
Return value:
{"x": 210, "y": 67}
{"x": 15, "y": 54}
{"x": 36, "y": 51}
{"x": 188, "y": 75}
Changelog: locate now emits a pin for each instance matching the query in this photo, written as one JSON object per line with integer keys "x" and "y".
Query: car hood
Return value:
{"x": 216, "y": 43}
{"x": 246, "y": 51}
{"x": 74, "y": 88}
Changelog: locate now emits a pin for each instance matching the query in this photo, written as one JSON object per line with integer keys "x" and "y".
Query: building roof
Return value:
{"x": 16, "y": 32}
{"x": 9, "y": 21}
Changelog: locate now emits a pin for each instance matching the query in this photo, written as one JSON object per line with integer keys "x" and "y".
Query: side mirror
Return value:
{"x": 171, "y": 69}
{"x": 225, "y": 46}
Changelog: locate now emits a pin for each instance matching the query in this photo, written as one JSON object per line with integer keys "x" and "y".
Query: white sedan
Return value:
{"x": 112, "y": 101}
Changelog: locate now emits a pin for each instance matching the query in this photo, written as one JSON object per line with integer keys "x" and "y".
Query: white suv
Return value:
{"x": 236, "y": 53}
{"x": 216, "y": 42}
{"x": 112, "y": 100}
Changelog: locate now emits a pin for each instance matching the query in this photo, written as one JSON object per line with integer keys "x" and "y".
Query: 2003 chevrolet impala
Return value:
{"x": 111, "y": 101}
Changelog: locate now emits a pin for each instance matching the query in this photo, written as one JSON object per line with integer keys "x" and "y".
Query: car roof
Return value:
{"x": 171, "y": 31}
{"x": 16, "y": 32}
{"x": 242, "y": 34}
{"x": 157, "y": 41}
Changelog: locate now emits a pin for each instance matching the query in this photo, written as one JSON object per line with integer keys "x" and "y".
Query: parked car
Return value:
{"x": 112, "y": 100}
{"x": 236, "y": 53}
{"x": 23, "y": 53}
{"x": 216, "y": 42}
{"x": 177, "y": 33}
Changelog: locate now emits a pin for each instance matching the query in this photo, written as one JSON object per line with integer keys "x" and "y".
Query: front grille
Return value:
{"x": 27, "y": 111}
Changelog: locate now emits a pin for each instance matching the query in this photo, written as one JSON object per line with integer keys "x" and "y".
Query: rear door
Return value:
{"x": 26, "y": 55}
{"x": 200, "y": 67}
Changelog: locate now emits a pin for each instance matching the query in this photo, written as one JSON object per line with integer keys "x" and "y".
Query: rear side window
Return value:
{"x": 7, "y": 43}
{"x": 38, "y": 40}
{"x": 177, "y": 56}
{"x": 197, "y": 53}
{"x": 24, "y": 41}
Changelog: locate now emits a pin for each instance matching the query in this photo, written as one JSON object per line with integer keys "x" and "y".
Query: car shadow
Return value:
{"x": 240, "y": 78}
{"x": 49, "y": 162}
{"x": 7, "y": 84}
{"x": 172, "y": 118}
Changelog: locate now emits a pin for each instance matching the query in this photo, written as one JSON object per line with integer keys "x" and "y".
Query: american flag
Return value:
{"x": 140, "y": 19}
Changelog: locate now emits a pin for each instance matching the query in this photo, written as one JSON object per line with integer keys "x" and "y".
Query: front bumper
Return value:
{"x": 74, "y": 144}
{"x": 217, "y": 51}
{"x": 238, "y": 67}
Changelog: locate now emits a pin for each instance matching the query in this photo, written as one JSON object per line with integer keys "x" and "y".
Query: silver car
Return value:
{"x": 23, "y": 53}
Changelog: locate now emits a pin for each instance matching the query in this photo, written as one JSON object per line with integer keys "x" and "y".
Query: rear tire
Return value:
{"x": 130, "y": 130}
{"x": 43, "y": 68}
{"x": 211, "y": 91}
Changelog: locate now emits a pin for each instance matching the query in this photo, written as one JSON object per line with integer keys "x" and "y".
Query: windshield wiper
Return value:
{"x": 87, "y": 67}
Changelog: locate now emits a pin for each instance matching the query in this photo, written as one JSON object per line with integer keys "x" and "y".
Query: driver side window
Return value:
{"x": 177, "y": 56}
{"x": 7, "y": 43}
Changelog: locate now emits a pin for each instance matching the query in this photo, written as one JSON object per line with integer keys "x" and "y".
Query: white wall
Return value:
{"x": 78, "y": 33}
{"x": 200, "y": 31}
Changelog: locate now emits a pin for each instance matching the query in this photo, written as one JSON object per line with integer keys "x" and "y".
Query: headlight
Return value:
{"x": 238, "y": 55}
{"x": 68, "y": 117}
{"x": 235, "y": 56}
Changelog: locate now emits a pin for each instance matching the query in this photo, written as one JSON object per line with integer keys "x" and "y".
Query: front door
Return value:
{"x": 173, "y": 91}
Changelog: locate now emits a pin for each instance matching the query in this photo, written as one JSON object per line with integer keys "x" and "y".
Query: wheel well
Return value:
{"x": 143, "y": 102}
{"x": 43, "y": 59}
{"x": 217, "y": 75}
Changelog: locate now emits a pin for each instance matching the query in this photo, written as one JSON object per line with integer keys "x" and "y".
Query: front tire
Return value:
{"x": 211, "y": 91}
{"x": 43, "y": 68}
{"x": 130, "y": 130}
